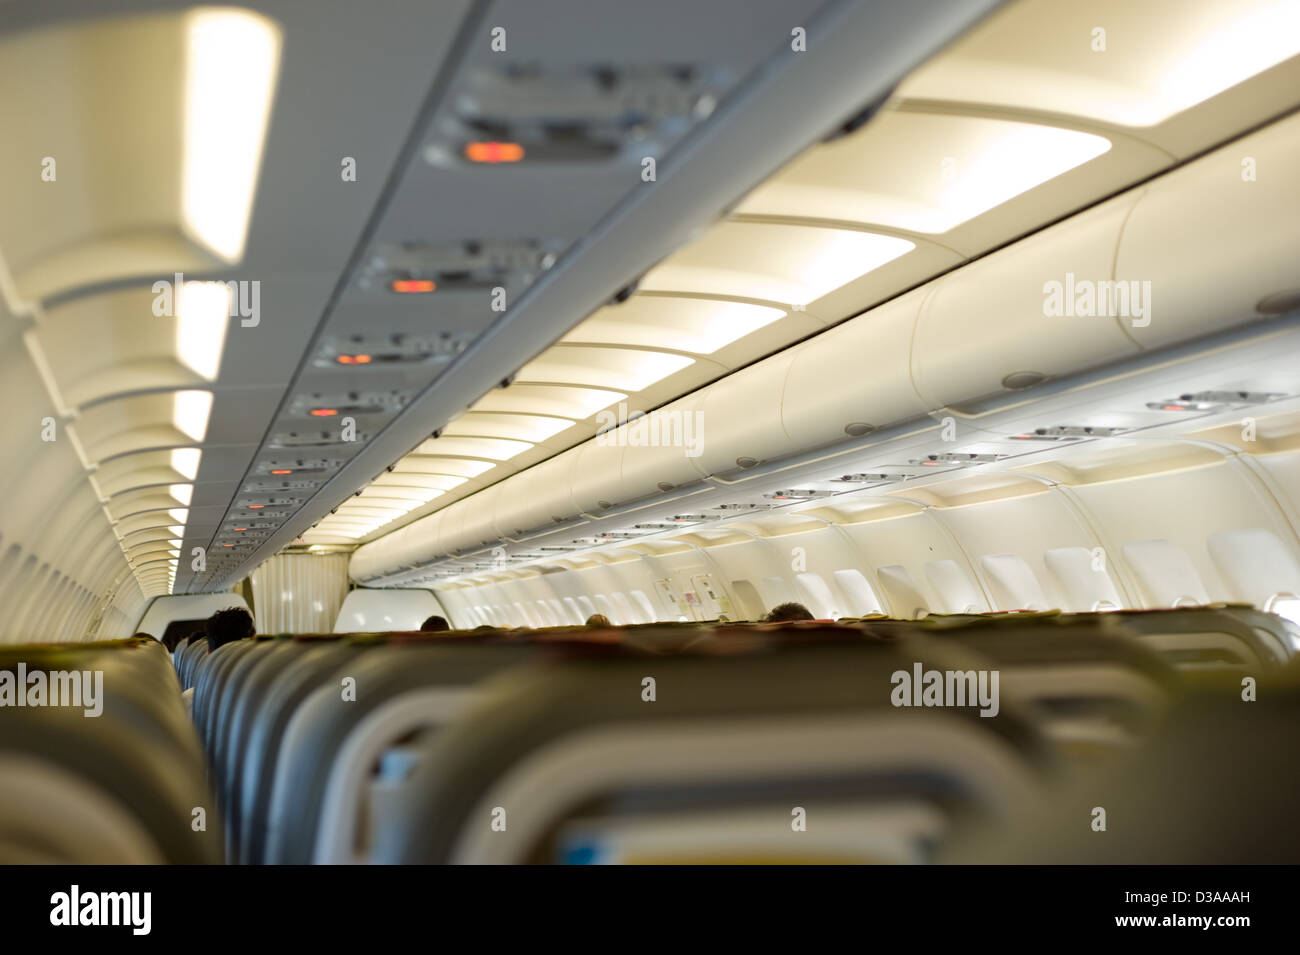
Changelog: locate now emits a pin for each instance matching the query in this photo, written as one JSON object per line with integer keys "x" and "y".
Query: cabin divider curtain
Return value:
{"x": 299, "y": 593}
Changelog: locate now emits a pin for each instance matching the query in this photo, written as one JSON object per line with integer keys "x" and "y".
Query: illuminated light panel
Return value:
{"x": 256, "y": 507}
{"x": 353, "y": 359}
{"x": 185, "y": 462}
{"x": 232, "y": 58}
{"x": 283, "y": 471}
{"x": 202, "y": 314}
{"x": 518, "y": 427}
{"x": 576, "y": 403}
{"x": 497, "y": 449}
{"x": 395, "y": 494}
{"x": 1174, "y": 56}
{"x": 789, "y": 264}
{"x": 421, "y": 472}
{"x": 923, "y": 172}
{"x": 190, "y": 412}
{"x": 182, "y": 493}
{"x": 323, "y": 412}
{"x": 603, "y": 367}
{"x": 493, "y": 152}
{"x": 683, "y": 324}
{"x": 413, "y": 286}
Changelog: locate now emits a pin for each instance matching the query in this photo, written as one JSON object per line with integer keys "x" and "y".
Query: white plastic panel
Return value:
{"x": 1013, "y": 583}
{"x": 1082, "y": 576}
{"x": 905, "y": 600}
{"x": 991, "y": 319}
{"x": 862, "y": 599}
{"x": 1255, "y": 564}
{"x": 1165, "y": 573}
{"x": 960, "y": 594}
{"x": 742, "y": 418}
{"x": 867, "y": 359}
{"x": 1214, "y": 243}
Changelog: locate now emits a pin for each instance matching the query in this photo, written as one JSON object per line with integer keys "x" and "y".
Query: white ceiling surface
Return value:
{"x": 1019, "y": 122}
{"x": 1035, "y": 155}
{"x": 378, "y": 82}
{"x": 604, "y": 224}
{"x": 81, "y": 254}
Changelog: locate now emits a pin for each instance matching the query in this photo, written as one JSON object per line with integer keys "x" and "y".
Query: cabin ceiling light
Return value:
{"x": 1162, "y": 57}
{"x": 202, "y": 314}
{"x": 1221, "y": 56}
{"x": 497, "y": 449}
{"x": 603, "y": 367}
{"x": 514, "y": 426}
{"x": 190, "y": 411}
{"x": 556, "y": 400}
{"x": 182, "y": 493}
{"x": 788, "y": 264}
{"x": 701, "y": 326}
{"x": 922, "y": 172}
{"x": 185, "y": 462}
{"x": 231, "y": 64}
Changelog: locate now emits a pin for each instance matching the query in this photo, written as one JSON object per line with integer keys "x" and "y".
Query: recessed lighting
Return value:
{"x": 231, "y": 64}
{"x": 190, "y": 413}
{"x": 185, "y": 462}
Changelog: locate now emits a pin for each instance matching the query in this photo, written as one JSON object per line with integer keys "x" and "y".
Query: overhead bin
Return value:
{"x": 651, "y": 468}
{"x": 868, "y": 361}
{"x": 539, "y": 497}
{"x": 1020, "y": 316}
{"x": 743, "y": 418}
{"x": 1219, "y": 240}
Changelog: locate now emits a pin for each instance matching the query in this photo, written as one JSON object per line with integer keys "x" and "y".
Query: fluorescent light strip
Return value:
{"x": 185, "y": 462}
{"x": 190, "y": 413}
{"x": 202, "y": 315}
{"x": 231, "y": 63}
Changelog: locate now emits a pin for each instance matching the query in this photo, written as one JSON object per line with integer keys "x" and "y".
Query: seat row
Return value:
{"x": 794, "y": 742}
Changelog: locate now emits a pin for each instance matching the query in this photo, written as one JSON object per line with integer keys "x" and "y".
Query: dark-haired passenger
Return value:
{"x": 788, "y": 613}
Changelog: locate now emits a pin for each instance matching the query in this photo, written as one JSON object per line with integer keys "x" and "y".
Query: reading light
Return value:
{"x": 190, "y": 411}
{"x": 282, "y": 471}
{"x": 353, "y": 359}
{"x": 323, "y": 412}
{"x": 231, "y": 64}
{"x": 493, "y": 152}
{"x": 256, "y": 507}
{"x": 185, "y": 462}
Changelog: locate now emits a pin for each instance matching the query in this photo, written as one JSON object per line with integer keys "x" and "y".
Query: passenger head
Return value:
{"x": 229, "y": 625}
{"x": 435, "y": 624}
{"x": 598, "y": 620}
{"x": 787, "y": 612}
